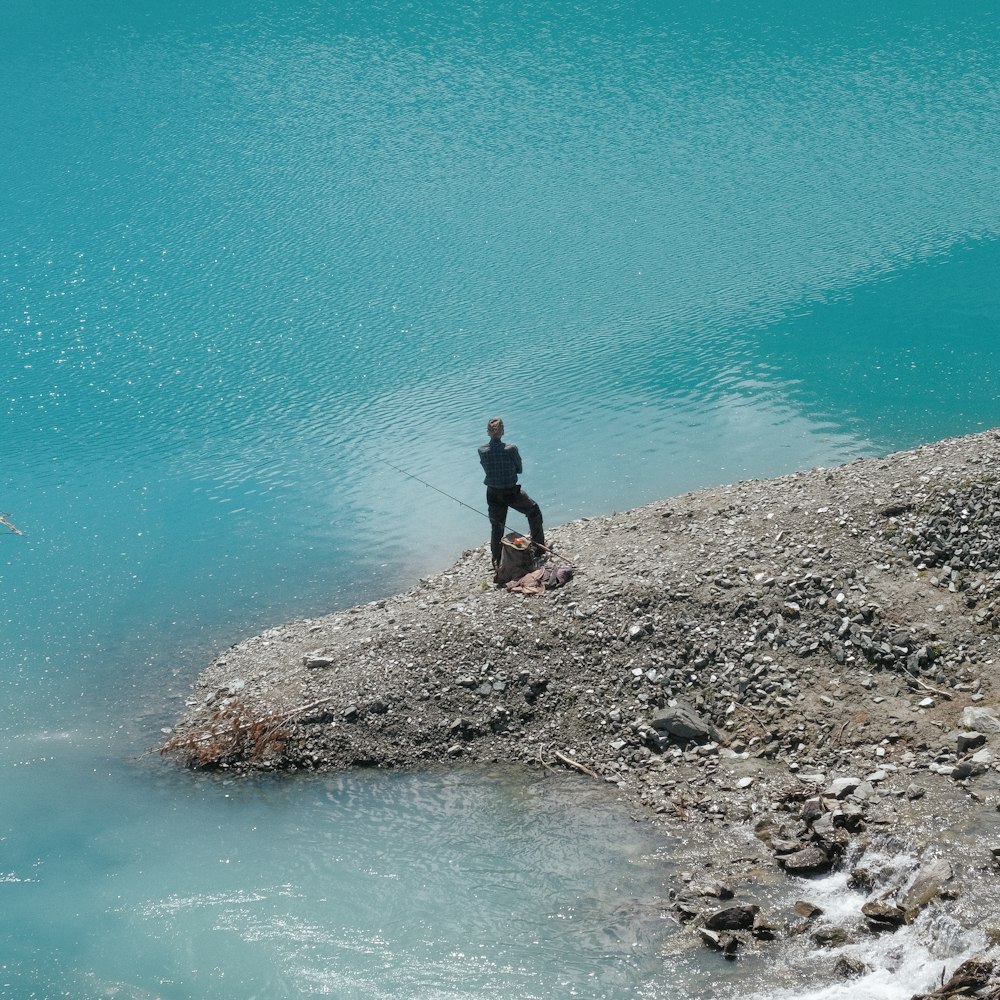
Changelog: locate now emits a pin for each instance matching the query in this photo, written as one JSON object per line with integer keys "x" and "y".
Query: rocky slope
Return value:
{"x": 722, "y": 657}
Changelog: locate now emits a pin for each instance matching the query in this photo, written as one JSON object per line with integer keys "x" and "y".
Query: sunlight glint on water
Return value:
{"x": 250, "y": 250}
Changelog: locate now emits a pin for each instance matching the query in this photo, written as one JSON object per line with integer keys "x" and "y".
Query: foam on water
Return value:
{"x": 461, "y": 880}
{"x": 916, "y": 958}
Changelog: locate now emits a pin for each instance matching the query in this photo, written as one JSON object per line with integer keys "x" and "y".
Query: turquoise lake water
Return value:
{"x": 250, "y": 252}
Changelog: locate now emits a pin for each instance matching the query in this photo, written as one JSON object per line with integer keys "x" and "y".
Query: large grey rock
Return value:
{"x": 825, "y": 824}
{"x": 684, "y": 724}
{"x": 812, "y": 809}
{"x": 784, "y": 845}
{"x": 717, "y": 890}
{"x": 840, "y": 788}
{"x": 812, "y": 778}
{"x": 967, "y": 769}
{"x": 317, "y": 659}
{"x": 728, "y": 944}
{"x": 971, "y": 978}
{"x": 925, "y": 886}
{"x": 982, "y": 719}
{"x": 864, "y": 791}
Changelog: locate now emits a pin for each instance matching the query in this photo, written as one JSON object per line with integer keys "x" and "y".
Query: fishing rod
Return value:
{"x": 475, "y": 510}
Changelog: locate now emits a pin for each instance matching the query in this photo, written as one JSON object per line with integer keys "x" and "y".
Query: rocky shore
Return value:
{"x": 800, "y": 667}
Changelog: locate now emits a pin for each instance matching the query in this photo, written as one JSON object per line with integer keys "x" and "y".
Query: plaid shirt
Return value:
{"x": 501, "y": 462}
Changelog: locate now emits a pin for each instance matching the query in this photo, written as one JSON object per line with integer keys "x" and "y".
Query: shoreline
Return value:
{"x": 812, "y": 657}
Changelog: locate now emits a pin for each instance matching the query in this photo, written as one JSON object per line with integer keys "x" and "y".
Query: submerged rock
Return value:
{"x": 882, "y": 915}
{"x": 830, "y": 936}
{"x": 848, "y": 967}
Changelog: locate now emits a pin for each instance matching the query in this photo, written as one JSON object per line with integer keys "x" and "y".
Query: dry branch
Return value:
{"x": 569, "y": 762}
{"x": 234, "y": 734}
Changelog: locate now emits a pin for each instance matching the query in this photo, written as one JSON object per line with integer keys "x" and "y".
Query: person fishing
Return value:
{"x": 502, "y": 465}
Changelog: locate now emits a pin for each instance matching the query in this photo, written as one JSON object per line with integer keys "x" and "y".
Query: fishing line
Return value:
{"x": 436, "y": 490}
{"x": 475, "y": 510}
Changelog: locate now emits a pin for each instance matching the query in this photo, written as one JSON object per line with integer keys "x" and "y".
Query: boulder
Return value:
{"x": 968, "y": 769}
{"x": 317, "y": 659}
{"x": 764, "y": 930}
{"x": 685, "y": 725}
{"x": 717, "y": 890}
{"x": 686, "y": 909}
{"x": 812, "y": 809}
{"x": 971, "y": 978}
{"x": 733, "y": 918}
{"x": 726, "y": 943}
{"x": 784, "y": 845}
{"x": 969, "y": 740}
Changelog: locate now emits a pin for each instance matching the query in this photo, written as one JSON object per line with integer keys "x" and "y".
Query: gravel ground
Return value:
{"x": 809, "y": 658}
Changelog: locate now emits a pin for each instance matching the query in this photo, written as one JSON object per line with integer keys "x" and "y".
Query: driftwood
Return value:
{"x": 569, "y": 762}
{"x": 947, "y": 695}
{"x": 565, "y": 760}
{"x": 234, "y": 734}
{"x": 5, "y": 520}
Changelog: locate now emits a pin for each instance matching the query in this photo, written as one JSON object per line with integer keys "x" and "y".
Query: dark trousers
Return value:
{"x": 498, "y": 500}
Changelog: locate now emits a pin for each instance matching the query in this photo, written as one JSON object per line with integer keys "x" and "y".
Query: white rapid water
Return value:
{"x": 914, "y": 959}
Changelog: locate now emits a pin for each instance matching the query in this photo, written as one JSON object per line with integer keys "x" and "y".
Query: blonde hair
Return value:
{"x": 494, "y": 427}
